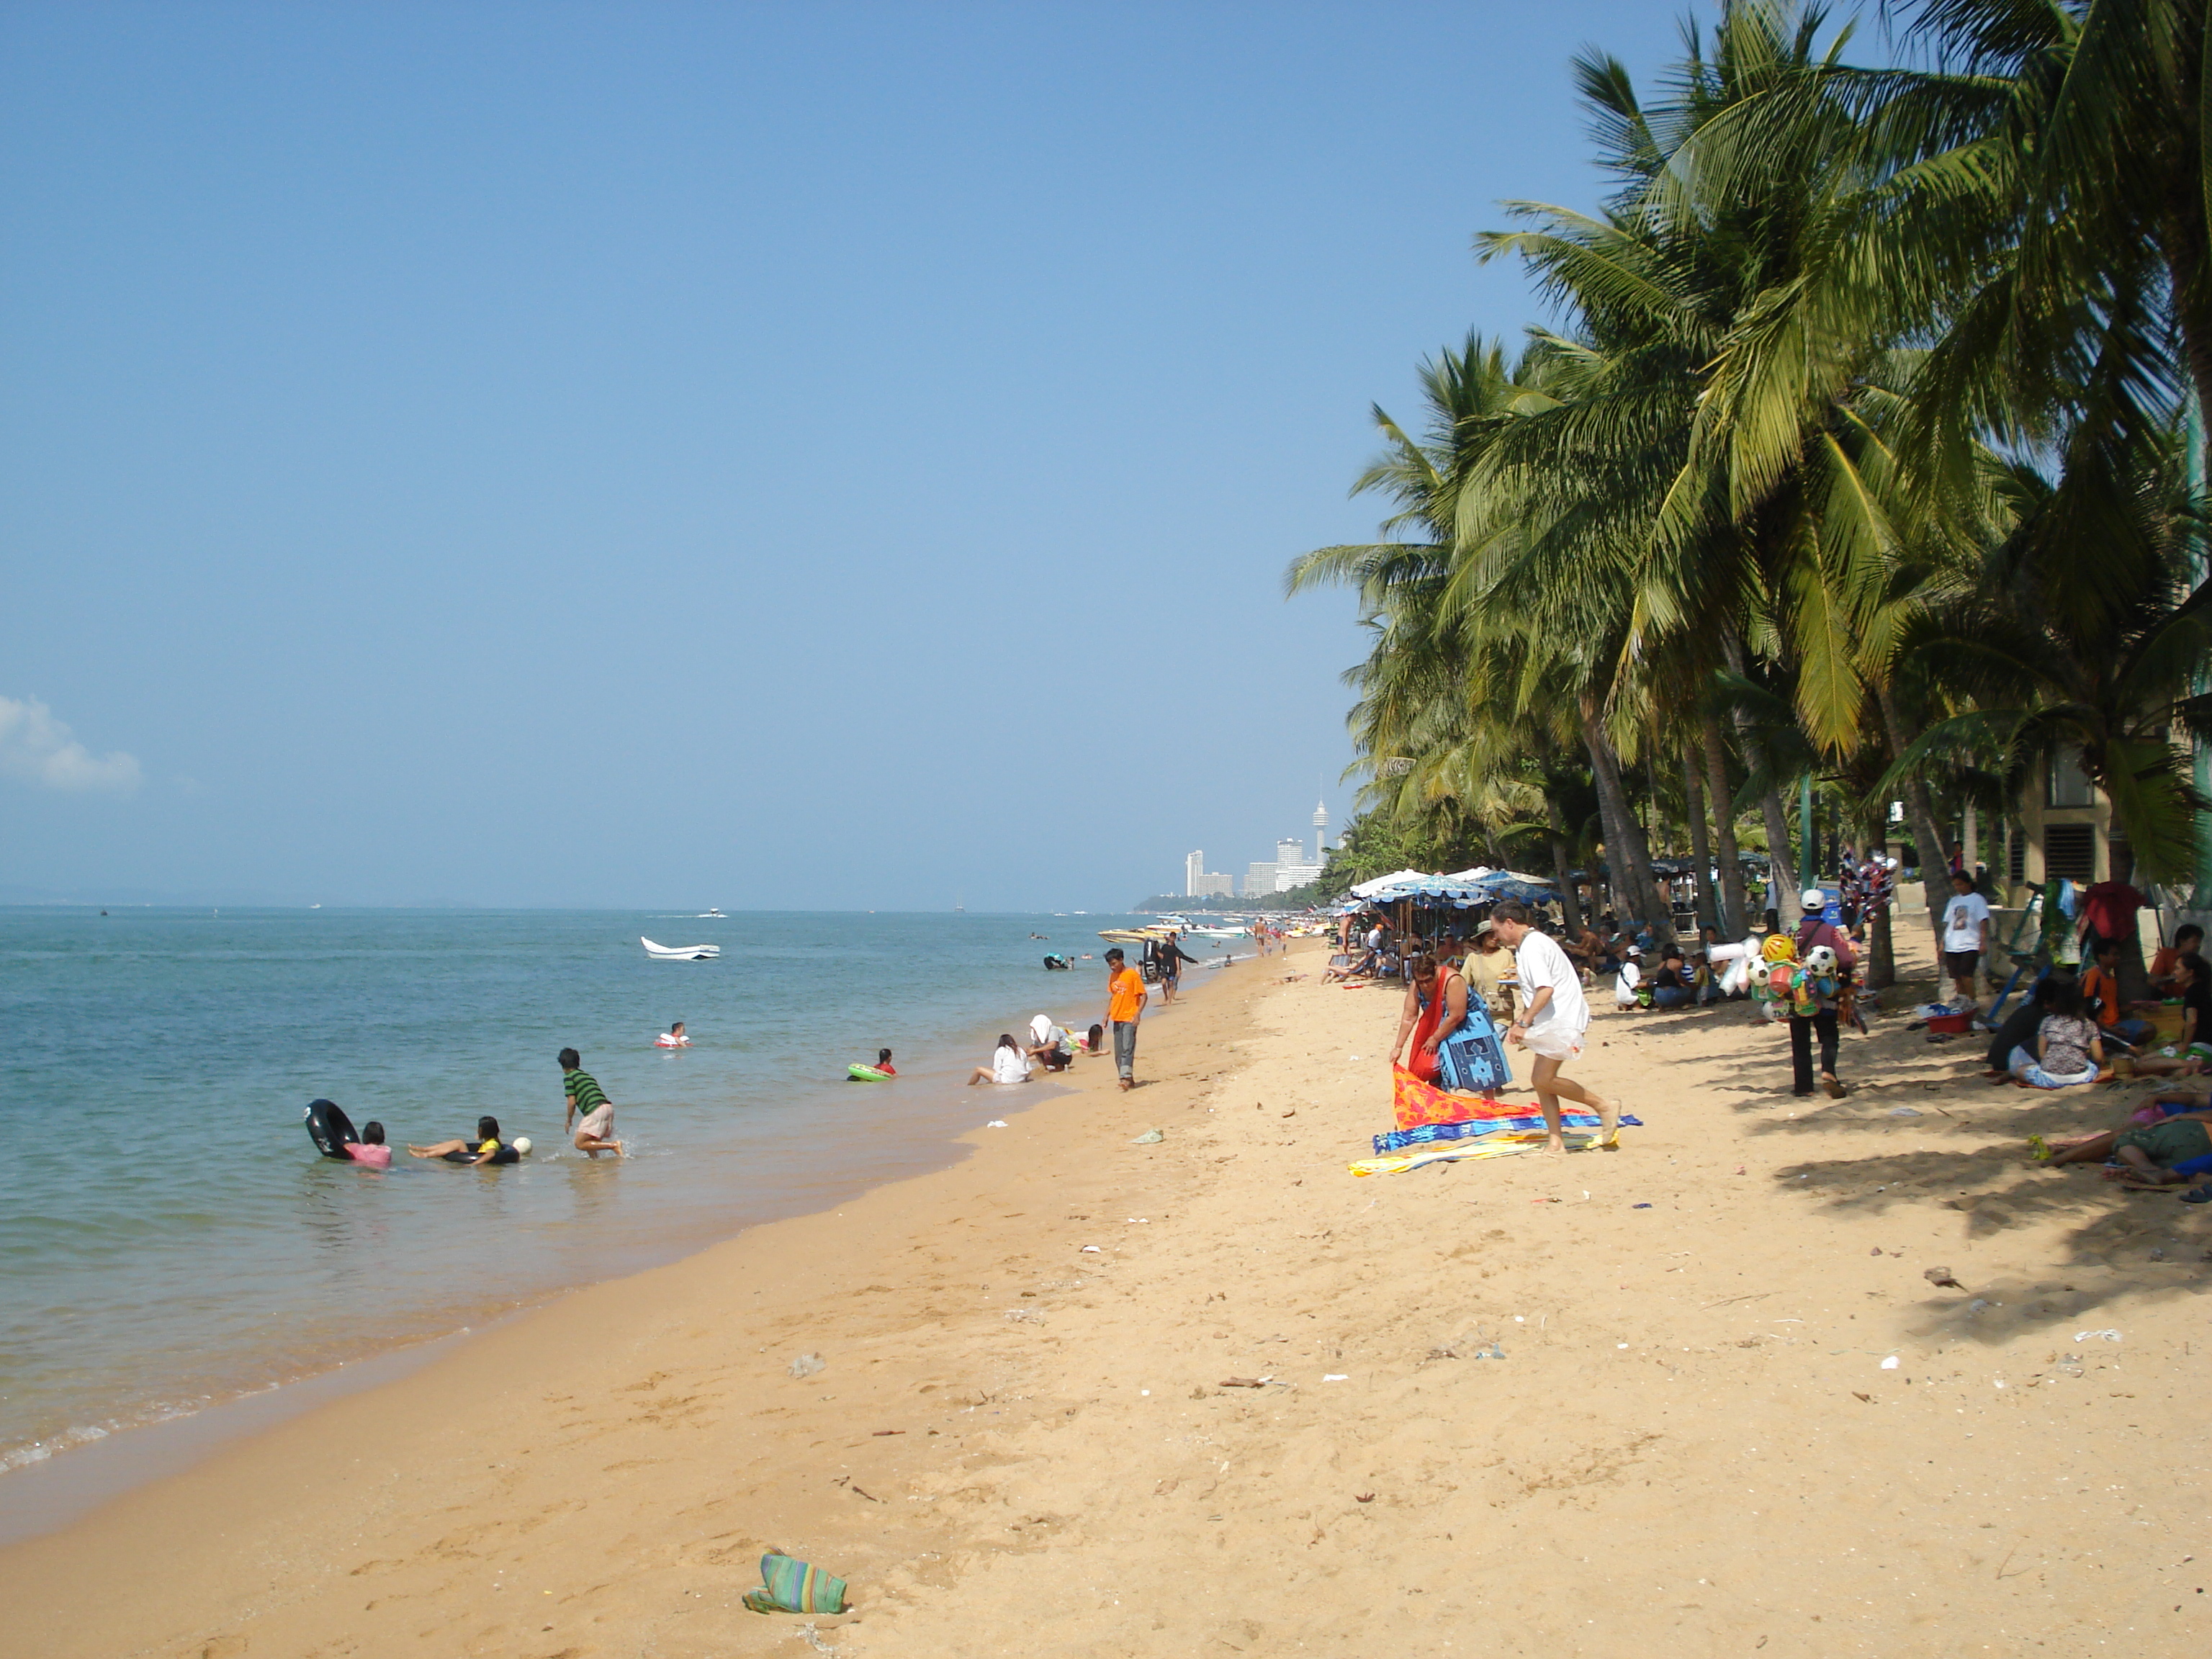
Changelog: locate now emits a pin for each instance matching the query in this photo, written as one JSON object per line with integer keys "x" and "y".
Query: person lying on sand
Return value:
{"x": 2171, "y": 1153}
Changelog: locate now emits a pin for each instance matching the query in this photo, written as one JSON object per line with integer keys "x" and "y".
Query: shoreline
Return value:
{"x": 48, "y": 1492}
{"x": 1499, "y": 1390}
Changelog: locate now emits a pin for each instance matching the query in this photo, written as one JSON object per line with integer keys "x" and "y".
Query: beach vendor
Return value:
{"x": 1434, "y": 1007}
{"x": 1553, "y": 1018}
{"x": 589, "y": 1103}
{"x": 1814, "y": 1015}
{"x": 1126, "y": 998}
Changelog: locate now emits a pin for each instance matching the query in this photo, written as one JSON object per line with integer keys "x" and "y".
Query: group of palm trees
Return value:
{"x": 1865, "y": 449}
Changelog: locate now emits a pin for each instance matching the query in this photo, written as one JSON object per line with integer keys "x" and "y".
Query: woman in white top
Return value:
{"x": 1008, "y": 1064}
{"x": 1553, "y": 1017}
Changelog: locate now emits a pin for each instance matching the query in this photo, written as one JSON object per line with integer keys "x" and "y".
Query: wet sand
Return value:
{"x": 1016, "y": 1445}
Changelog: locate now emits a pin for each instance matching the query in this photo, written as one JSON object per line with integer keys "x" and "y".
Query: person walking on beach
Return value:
{"x": 1172, "y": 956}
{"x": 1813, "y": 932}
{"x": 595, "y": 1133}
{"x": 1553, "y": 1017}
{"x": 1126, "y": 998}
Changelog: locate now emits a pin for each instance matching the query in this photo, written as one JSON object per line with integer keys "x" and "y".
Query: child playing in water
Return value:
{"x": 595, "y": 1135}
{"x": 486, "y": 1148}
{"x": 370, "y": 1148}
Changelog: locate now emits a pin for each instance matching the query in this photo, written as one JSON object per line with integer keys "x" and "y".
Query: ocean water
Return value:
{"x": 171, "y": 1239}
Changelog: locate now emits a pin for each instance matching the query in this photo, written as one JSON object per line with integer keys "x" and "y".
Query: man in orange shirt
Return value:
{"x": 1126, "y": 998}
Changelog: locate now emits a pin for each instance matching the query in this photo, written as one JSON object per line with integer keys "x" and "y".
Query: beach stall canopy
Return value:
{"x": 1374, "y": 889}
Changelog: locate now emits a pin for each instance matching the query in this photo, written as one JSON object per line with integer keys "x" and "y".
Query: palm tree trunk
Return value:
{"x": 1919, "y": 812}
{"x": 1634, "y": 885}
{"x": 1571, "y": 907}
{"x": 1737, "y": 921}
{"x": 1881, "y": 953}
{"x": 1770, "y": 802}
{"x": 1693, "y": 808}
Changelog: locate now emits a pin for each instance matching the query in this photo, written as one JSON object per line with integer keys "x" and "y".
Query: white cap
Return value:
{"x": 1813, "y": 898}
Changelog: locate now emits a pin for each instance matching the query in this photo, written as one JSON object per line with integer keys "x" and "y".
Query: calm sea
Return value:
{"x": 172, "y": 1239}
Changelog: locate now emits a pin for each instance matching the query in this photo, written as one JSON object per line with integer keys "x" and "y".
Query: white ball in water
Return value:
{"x": 522, "y": 1143}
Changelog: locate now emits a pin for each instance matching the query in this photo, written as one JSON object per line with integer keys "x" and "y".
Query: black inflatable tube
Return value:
{"x": 330, "y": 1129}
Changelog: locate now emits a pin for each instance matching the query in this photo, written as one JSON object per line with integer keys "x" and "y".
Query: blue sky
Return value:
{"x": 767, "y": 455}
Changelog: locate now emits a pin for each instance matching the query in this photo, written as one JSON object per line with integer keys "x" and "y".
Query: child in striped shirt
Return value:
{"x": 595, "y": 1133}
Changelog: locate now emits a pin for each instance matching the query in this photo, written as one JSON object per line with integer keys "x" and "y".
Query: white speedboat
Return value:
{"x": 710, "y": 913}
{"x": 679, "y": 953}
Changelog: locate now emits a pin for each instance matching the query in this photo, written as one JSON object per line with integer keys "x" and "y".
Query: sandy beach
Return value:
{"x": 1605, "y": 1403}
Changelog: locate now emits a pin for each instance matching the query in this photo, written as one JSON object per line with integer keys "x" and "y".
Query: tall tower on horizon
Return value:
{"x": 1320, "y": 832}
{"x": 1194, "y": 874}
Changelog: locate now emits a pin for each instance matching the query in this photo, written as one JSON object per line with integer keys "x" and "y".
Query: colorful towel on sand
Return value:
{"x": 1415, "y": 1102}
{"x": 789, "y": 1586}
{"x": 1505, "y": 1146}
{"x": 1494, "y": 1119}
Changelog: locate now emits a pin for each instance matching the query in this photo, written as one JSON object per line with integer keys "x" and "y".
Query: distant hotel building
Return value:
{"x": 1197, "y": 883}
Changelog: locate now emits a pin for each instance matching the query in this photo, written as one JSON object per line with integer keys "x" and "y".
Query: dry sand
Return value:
{"x": 1689, "y": 1446}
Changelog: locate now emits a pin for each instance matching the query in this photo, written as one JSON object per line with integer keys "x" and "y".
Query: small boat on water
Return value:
{"x": 712, "y": 913}
{"x": 679, "y": 953}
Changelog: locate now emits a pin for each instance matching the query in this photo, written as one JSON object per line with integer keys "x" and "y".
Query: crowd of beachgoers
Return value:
{"x": 2080, "y": 1007}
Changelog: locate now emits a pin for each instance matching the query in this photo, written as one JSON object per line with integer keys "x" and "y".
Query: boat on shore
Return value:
{"x": 679, "y": 953}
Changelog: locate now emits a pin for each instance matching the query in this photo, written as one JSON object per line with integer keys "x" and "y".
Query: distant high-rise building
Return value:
{"x": 1259, "y": 878}
{"x": 1320, "y": 832}
{"x": 1216, "y": 886}
{"x": 1288, "y": 876}
{"x": 1290, "y": 851}
{"x": 1193, "y": 872}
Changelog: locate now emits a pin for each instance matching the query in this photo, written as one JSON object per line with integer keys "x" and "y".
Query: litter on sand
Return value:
{"x": 808, "y": 1364}
{"x": 996, "y": 1123}
{"x": 1639, "y": 1206}
{"x": 1150, "y": 1137}
{"x": 789, "y": 1586}
{"x": 2108, "y": 1336}
{"x": 1890, "y": 1363}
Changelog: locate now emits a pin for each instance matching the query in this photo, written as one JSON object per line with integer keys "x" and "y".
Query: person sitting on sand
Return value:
{"x": 2068, "y": 1050}
{"x": 2019, "y": 1028}
{"x": 1050, "y": 1044}
{"x": 589, "y": 1102}
{"x": 2100, "y": 990}
{"x": 1671, "y": 987}
{"x": 486, "y": 1148}
{"x": 370, "y": 1148}
{"x": 1008, "y": 1064}
{"x": 2187, "y": 939}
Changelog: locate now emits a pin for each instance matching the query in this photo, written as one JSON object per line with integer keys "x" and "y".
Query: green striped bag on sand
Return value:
{"x": 789, "y": 1586}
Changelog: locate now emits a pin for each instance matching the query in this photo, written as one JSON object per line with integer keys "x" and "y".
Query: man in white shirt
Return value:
{"x": 1553, "y": 1017}
{"x": 1965, "y": 934}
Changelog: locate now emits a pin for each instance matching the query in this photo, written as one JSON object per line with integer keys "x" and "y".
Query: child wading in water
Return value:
{"x": 595, "y": 1135}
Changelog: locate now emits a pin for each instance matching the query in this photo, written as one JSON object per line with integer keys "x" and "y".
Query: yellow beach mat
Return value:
{"x": 1488, "y": 1146}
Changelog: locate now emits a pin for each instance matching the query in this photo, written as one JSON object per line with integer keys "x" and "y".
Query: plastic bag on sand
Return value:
{"x": 1150, "y": 1137}
{"x": 789, "y": 1586}
{"x": 807, "y": 1365}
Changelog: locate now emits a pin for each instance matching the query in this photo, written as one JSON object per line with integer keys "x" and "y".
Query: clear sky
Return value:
{"x": 794, "y": 455}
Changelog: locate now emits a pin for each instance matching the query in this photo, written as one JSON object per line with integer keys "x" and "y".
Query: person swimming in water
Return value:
{"x": 486, "y": 1148}
{"x": 370, "y": 1150}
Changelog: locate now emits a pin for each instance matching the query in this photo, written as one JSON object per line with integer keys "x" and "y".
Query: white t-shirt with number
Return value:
{"x": 1539, "y": 962}
{"x": 1963, "y": 916}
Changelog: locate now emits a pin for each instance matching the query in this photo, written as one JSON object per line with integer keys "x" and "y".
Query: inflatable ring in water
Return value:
{"x": 866, "y": 1074}
{"x": 330, "y": 1128}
